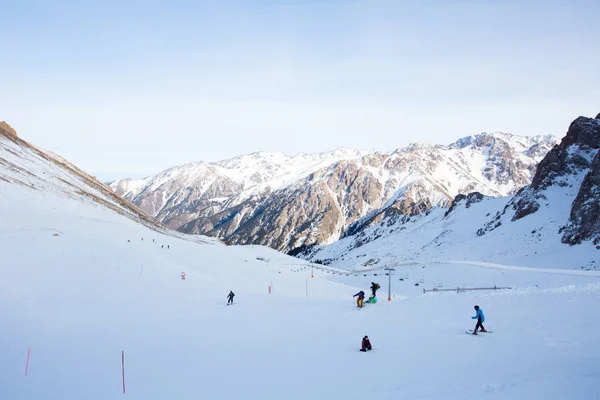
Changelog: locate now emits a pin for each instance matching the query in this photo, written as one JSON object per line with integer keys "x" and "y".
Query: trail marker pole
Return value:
{"x": 389, "y": 270}
{"x": 123, "y": 368}
{"x": 27, "y": 362}
{"x": 312, "y": 274}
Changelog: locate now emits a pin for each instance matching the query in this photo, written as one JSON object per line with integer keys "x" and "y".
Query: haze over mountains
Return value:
{"x": 289, "y": 202}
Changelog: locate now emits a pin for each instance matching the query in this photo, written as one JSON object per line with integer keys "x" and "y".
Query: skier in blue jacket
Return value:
{"x": 480, "y": 320}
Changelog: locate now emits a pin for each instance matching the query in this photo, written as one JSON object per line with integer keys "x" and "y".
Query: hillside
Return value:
{"x": 552, "y": 223}
{"x": 25, "y": 165}
{"x": 287, "y": 202}
{"x": 92, "y": 304}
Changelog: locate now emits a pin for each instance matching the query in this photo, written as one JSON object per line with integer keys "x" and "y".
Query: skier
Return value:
{"x": 366, "y": 344}
{"x": 480, "y": 320}
{"x": 230, "y": 297}
{"x": 374, "y": 288}
{"x": 361, "y": 299}
{"x": 372, "y": 300}
{"x": 168, "y": 246}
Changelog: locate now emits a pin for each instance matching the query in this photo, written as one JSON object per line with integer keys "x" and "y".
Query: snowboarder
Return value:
{"x": 374, "y": 288}
{"x": 366, "y": 344}
{"x": 361, "y": 299}
{"x": 372, "y": 300}
{"x": 230, "y": 297}
{"x": 480, "y": 320}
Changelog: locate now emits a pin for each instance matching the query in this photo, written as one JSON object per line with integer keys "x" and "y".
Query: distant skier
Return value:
{"x": 230, "y": 297}
{"x": 162, "y": 247}
{"x": 168, "y": 246}
{"x": 480, "y": 320}
{"x": 372, "y": 300}
{"x": 361, "y": 299}
{"x": 366, "y": 344}
{"x": 374, "y": 288}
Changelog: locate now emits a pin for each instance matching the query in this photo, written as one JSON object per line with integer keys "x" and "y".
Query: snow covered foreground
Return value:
{"x": 80, "y": 298}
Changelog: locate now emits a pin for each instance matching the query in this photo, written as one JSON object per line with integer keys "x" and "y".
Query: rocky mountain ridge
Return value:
{"x": 287, "y": 202}
{"x": 553, "y": 221}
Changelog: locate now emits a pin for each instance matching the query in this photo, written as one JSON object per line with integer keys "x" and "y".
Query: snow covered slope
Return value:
{"x": 79, "y": 286}
{"x": 552, "y": 223}
{"x": 25, "y": 165}
{"x": 286, "y": 202}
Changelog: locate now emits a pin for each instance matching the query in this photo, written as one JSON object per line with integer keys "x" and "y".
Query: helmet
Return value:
{"x": 477, "y": 307}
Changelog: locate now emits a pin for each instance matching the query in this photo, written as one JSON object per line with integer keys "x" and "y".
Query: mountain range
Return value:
{"x": 553, "y": 222}
{"x": 290, "y": 202}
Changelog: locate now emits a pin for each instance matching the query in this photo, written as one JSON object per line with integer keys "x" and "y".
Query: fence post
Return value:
{"x": 27, "y": 362}
{"x": 123, "y": 368}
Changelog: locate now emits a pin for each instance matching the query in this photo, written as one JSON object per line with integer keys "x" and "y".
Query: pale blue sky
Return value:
{"x": 128, "y": 88}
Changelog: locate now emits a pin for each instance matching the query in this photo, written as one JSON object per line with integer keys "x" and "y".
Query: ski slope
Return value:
{"x": 78, "y": 286}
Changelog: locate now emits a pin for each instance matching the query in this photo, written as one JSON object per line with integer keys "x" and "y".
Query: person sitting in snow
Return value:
{"x": 230, "y": 297}
{"x": 372, "y": 300}
{"x": 361, "y": 299}
{"x": 374, "y": 288}
{"x": 480, "y": 319}
{"x": 366, "y": 344}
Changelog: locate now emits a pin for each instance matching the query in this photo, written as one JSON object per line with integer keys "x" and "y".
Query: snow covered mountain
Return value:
{"x": 555, "y": 221}
{"x": 23, "y": 164}
{"x": 287, "y": 202}
{"x": 92, "y": 306}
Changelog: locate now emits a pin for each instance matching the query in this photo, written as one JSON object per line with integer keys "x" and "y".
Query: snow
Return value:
{"x": 78, "y": 285}
{"x": 533, "y": 241}
{"x": 253, "y": 174}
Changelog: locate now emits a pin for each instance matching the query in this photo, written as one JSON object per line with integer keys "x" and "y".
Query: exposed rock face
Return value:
{"x": 7, "y": 129}
{"x": 565, "y": 166}
{"x": 568, "y": 158}
{"x": 287, "y": 202}
{"x": 584, "y": 222}
{"x": 471, "y": 198}
{"x": 553, "y": 223}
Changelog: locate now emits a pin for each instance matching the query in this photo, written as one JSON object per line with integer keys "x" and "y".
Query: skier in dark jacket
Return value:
{"x": 230, "y": 297}
{"x": 374, "y": 288}
{"x": 480, "y": 320}
{"x": 361, "y": 299}
{"x": 366, "y": 344}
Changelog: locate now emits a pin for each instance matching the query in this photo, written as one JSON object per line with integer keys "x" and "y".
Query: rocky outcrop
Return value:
{"x": 569, "y": 165}
{"x": 469, "y": 200}
{"x": 568, "y": 158}
{"x": 6, "y": 129}
{"x": 584, "y": 221}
